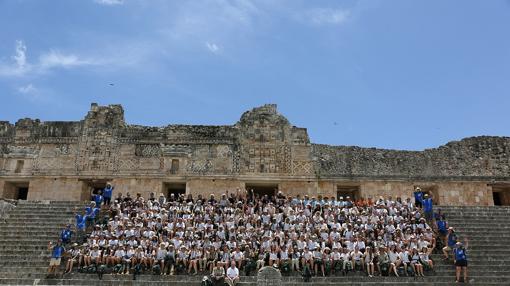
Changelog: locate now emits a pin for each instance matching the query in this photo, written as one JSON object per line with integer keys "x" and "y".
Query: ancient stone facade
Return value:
{"x": 67, "y": 160}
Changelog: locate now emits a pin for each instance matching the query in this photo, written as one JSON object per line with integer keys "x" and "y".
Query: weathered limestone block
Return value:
{"x": 269, "y": 276}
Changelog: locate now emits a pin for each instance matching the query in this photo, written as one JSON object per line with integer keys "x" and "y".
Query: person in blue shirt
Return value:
{"x": 81, "y": 225}
{"x": 427, "y": 207}
{"x": 460, "y": 261}
{"x": 442, "y": 228}
{"x": 98, "y": 199}
{"x": 65, "y": 234}
{"x": 107, "y": 194}
{"x": 418, "y": 197}
{"x": 57, "y": 251}
{"x": 451, "y": 240}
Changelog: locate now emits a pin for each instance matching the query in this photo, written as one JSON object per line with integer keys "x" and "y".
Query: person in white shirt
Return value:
{"x": 232, "y": 274}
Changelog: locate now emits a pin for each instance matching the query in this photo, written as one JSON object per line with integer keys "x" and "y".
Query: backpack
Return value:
{"x": 156, "y": 269}
{"x": 307, "y": 274}
{"x": 206, "y": 281}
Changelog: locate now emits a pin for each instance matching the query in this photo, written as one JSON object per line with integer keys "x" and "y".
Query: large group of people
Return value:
{"x": 241, "y": 231}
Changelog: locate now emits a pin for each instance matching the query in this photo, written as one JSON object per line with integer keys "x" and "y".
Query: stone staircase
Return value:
{"x": 24, "y": 238}
{"x": 24, "y": 256}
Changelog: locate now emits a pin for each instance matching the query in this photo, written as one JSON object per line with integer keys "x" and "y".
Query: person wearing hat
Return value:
{"x": 57, "y": 251}
{"x": 451, "y": 240}
{"x": 74, "y": 257}
{"x": 427, "y": 207}
{"x": 460, "y": 261}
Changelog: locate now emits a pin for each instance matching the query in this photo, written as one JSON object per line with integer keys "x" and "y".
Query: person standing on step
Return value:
{"x": 57, "y": 251}
{"x": 427, "y": 207}
{"x": 418, "y": 197}
{"x": 460, "y": 261}
{"x": 107, "y": 194}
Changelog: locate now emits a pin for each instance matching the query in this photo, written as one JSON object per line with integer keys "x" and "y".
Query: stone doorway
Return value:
{"x": 262, "y": 189}
{"x": 16, "y": 190}
{"x": 92, "y": 187}
{"x": 431, "y": 191}
{"x": 175, "y": 188}
{"x": 352, "y": 192}
{"x": 501, "y": 195}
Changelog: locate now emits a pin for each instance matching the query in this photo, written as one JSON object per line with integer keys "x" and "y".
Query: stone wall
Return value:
{"x": 58, "y": 159}
{"x": 470, "y": 158}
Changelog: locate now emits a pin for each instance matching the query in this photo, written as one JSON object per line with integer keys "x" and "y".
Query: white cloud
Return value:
{"x": 20, "y": 66}
{"x": 212, "y": 47}
{"x": 322, "y": 16}
{"x": 109, "y": 2}
{"x": 20, "y": 57}
{"x": 57, "y": 59}
{"x": 27, "y": 89}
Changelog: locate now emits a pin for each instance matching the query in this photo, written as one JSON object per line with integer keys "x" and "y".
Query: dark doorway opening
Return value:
{"x": 432, "y": 191}
{"x": 260, "y": 190}
{"x": 176, "y": 189}
{"x": 15, "y": 190}
{"x": 348, "y": 191}
{"x": 501, "y": 194}
{"x": 93, "y": 187}
{"x": 497, "y": 198}
{"x": 22, "y": 193}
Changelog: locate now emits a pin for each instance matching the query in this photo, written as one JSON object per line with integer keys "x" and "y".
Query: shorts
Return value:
{"x": 461, "y": 263}
{"x": 107, "y": 201}
{"x": 55, "y": 261}
{"x": 418, "y": 204}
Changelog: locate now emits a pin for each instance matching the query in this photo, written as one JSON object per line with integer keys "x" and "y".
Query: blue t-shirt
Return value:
{"x": 452, "y": 239}
{"x": 460, "y": 254}
{"x": 418, "y": 196}
{"x": 57, "y": 252}
{"x": 65, "y": 235}
{"x": 98, "y": 199}
{"x": 80, "y": 221}
{"x": 107, "y": 192}
{"x": 427, "y": 205}
{"x": 441, "y": 225}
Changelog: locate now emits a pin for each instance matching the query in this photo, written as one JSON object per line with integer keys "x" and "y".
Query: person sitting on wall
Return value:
{"x": 107, "y": 194}
{"x": 232, "y": 274}
{"x": 218, "y": 275}
{"x": 451, "y": 239}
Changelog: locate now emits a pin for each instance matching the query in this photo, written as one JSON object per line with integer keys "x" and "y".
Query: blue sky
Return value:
{"x": 389, "y": 74}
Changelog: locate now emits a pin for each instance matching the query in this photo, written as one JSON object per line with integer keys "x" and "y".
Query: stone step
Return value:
{"x": 476, "y": 270}
{"x": 42, "y": 215}
{"x": 366, "y": 281}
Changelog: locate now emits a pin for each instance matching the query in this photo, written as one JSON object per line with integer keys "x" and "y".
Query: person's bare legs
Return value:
{"x": 457, "y": 273}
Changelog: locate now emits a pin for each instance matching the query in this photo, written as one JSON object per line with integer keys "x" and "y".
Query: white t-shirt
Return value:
{"x": 232, "y": 272}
